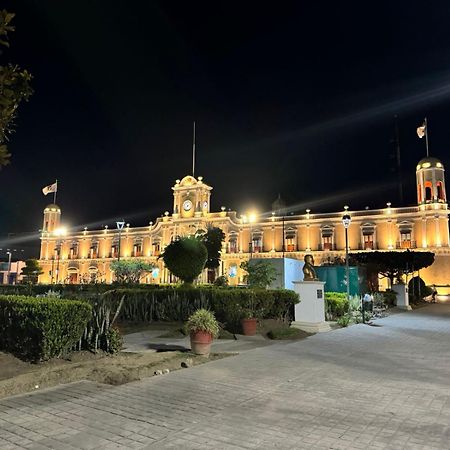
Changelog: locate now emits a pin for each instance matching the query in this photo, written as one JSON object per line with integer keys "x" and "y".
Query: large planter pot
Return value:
{"x": 201, "y": 342}
{"x": 249, "y": 326}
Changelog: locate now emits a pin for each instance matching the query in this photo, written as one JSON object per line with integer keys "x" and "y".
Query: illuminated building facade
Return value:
{"x": 82, "y": 256}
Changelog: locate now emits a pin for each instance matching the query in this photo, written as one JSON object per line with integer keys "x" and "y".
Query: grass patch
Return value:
{"x": 286, "y": 333}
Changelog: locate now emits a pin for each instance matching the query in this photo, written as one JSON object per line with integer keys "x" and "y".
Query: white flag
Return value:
{"x": 422, "y": 130}
{"x": 50, "y": 188}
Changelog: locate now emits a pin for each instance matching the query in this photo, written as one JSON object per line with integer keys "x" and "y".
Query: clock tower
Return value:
{"x": 191, "y": 197}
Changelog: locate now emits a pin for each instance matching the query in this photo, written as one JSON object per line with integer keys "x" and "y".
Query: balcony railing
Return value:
{"x": 405, "y": 244}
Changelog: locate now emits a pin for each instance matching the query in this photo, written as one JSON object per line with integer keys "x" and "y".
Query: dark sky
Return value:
{"x": 293, "y": 98}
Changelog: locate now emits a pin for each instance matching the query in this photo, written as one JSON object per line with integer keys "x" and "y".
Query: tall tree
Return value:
{"x": 14, "y": 88}
{"x": 213, "y": 238}
{"x": 393, "y": 265}
{"x": 31, "y": 271}
{"x": 130, "y": 272}
{"x": 185, "y": 257}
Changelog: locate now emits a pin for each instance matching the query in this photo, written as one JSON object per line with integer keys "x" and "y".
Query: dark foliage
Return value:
{"x": 177, "y": 304}
{"x": 185, "y": 257}
{"x": 394, "y": 265}
{"x": 41, "y": 328}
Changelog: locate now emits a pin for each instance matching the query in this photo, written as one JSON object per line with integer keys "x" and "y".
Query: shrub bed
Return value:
{"x": 336, "y": 305}
{"x": 177, "y": 304}
{"x": 41, "y": 328}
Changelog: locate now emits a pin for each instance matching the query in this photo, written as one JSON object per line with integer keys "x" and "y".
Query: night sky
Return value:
{"x": 292, "y": 98}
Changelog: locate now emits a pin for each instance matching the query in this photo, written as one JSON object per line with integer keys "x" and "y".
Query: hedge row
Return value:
{"x": 177, "y": 304}
{"x": 336, "y": 304}
{"x": 41, "y": 328}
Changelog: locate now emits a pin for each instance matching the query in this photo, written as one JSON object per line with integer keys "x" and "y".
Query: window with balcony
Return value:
{"x": 368, "y": 242}
{"x": 368, "y": 234}
{"x": 257, "y": 245}
{"x": 114, "y": 250}
{"x": 327, "y": 237}
{"x": 93, "y": 251}
{"x": 137, "y": 249}
{"x": 73, "y": 253}
{"x": 233, "y": 245}
{"x": 405, "y": 239}
{"x": 290, "y": 241}
{"x": 405, "y": 232}
{"x": 156, "y": 249}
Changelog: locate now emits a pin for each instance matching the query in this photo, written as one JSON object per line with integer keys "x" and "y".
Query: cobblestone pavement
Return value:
{"x": 362, "y": 387}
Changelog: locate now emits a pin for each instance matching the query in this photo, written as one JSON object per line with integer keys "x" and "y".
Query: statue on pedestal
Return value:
{"x": 309, "y": 273}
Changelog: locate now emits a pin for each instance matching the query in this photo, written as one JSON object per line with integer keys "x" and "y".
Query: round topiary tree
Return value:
{"x": 185, "y": 258}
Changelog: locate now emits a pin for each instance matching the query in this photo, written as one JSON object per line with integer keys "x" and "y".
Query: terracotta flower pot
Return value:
{"x": 249, "y": 326}
{"x": 201, "y": 342}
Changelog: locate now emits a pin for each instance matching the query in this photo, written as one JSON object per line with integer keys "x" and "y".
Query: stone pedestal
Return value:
{"x": 310, "y": 312}
{"x": 402, "y": 300}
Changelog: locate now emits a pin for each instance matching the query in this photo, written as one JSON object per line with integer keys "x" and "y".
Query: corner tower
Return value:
{"x": 52, "y": 218}
{"x": 430, "y": 182}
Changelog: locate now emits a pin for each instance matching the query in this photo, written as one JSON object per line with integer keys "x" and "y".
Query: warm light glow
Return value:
{"x": 252, "y": 217}
{"x": 425, "y": 165}
{"x": 62, "y": 231}
{"x": 438, "y": 164}
{"x": 346, "y": 220}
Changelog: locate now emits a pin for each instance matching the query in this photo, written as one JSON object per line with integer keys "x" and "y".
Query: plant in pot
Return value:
{"x": 249, "y": 318}
{"x": 203, "y": 328}
{"x": 249, "y": 322}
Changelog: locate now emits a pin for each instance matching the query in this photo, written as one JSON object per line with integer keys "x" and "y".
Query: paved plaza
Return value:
{"x": 363, "y": 387}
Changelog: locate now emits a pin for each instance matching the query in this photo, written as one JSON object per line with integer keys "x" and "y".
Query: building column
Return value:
{"x": 424, "y": 232}
{"x": 438, "y": 233}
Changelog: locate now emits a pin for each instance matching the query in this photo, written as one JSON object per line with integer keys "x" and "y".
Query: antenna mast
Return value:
{"x": 193, "y": 152}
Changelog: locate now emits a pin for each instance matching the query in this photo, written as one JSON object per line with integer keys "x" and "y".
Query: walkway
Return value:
{"x": 361, "y": 387}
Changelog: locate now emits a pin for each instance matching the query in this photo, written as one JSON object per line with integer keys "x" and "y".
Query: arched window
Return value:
{"x": 428, "y": 191}
{"x": 440, "y": 191}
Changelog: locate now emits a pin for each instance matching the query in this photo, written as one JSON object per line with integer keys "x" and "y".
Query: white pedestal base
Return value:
{"x": 402, "y": 300}
{"x": 310, "y": 312}
{"x": 312, "y": 327}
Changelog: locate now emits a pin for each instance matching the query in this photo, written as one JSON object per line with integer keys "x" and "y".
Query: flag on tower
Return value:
{"x": 421, "y": 131}
{"x": 50, "y": 188}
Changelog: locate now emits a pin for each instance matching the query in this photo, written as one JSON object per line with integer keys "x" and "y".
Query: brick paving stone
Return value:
{"x": 357, "y": 388}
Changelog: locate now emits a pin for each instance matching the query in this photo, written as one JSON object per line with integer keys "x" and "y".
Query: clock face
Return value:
{"x": 205, "y": 205}
{"x": 187, "y": 205}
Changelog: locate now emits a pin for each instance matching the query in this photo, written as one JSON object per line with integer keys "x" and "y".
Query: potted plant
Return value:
{"x": 202, "y": 327}
{"x": 249, "y": 318}
{"x": 248, "y": 322}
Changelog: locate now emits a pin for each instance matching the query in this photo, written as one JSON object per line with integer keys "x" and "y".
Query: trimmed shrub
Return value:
{"x": 41, "y": 328}
{"x": 389, "y": 297}
{"x": 336, "y": 305}
{"x": 416, "y": 285}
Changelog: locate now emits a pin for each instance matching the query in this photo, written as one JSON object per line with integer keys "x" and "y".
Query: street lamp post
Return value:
{"x": 346, "y": 220}
{"x": 251, "y": 220}
{"x": 59, "y": 232}
{"x": 120, "y": 226}
{"x": 9, "y": 265}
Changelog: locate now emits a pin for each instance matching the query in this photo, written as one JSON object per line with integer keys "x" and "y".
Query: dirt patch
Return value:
{"x": 17, "y": 377}
{"x": 265, "y": 327}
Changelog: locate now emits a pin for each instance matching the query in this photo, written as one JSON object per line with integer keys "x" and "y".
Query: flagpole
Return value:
{"x": 56, "y": 190}
{"x": 426, "y": 136}
{"x": 193, "y": 152}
